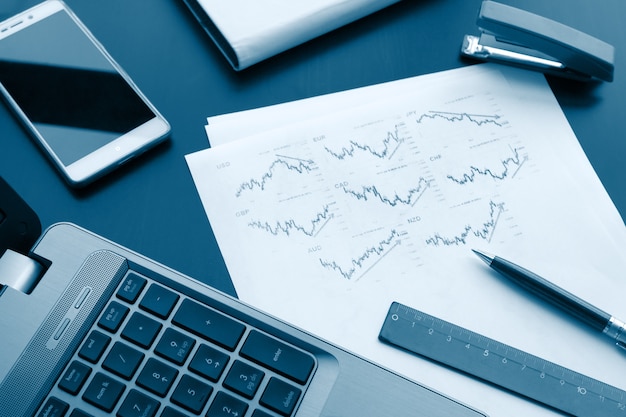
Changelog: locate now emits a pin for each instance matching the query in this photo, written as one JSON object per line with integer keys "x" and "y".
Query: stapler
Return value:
{"x": 517, "y": 37}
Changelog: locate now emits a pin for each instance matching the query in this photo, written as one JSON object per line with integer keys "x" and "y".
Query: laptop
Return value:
{"x": 90, "y": 328}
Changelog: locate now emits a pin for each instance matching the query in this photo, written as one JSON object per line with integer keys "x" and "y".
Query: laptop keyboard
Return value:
{"x": 157, "y": 352}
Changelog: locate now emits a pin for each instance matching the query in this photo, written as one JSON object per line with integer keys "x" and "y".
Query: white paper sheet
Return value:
{"x": 256, "y": 30}
{"x": 324, "y": 222}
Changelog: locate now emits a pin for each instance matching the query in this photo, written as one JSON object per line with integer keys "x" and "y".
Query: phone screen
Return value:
{"x": 68, "y": 90}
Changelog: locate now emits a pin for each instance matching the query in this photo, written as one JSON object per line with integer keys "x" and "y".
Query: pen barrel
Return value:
{"x": 553, "y": 294}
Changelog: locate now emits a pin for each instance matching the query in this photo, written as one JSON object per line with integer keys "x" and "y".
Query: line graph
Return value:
{"x": 290, "y": 226}
{"x": 291, "y": 164}
{"x": 389, "y": 146}
{"x": 477, "y": 119}
{"x": 367, "y": 260}
{"x": 485, "y": 231}
{"x": 508, "y": 168}
{"x": 371, "y": 191}
{"x": 336, "y": 196}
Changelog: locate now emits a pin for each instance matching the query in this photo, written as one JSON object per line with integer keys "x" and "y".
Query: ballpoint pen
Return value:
{"x": 582, "y": 310}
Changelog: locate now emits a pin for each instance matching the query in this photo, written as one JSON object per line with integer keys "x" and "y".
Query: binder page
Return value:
{"x": 256, "y": 30}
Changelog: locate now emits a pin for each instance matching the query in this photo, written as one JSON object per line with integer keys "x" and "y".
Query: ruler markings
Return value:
{"x": 502, "y": 365}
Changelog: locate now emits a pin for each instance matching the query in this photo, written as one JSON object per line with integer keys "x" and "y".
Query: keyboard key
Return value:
{"x": 170, "y": 412}
{"x": 74, "y": 377}
{"x": 243, "y": 379}
{"x": 260, "y": 413}
{"x": 159, "y": 301}
{"x": 174, "y": 346}
{"x": 131, "y": 288}
{"x": 54, "y": 408}
{"x": 141, "y": 330}
{"x": 209, "y": 362}
{"x": 103, "y": 392}
{"x": 209, "y": 324}
{"x": 94, "y": 346}
{"x": 191, "y": 394}
{"x": 113, "y": 316}
{"x": 280, "y": 397}
{"x": 123, "y": 360}
{"x": 79, "y": 413}
{"x": 157, "y": 377}
{"x": 278, "y": 356}
{"x": 226, "y": 406}
{"x": 137, "y": 404}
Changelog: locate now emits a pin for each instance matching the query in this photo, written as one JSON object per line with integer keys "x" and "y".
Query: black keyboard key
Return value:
{"x": 260, "y": 413}
{"x": 191, "y": 394}
{"x": 54, "y": 408}
{"x": 79, "y": 413}
{"x": 131, "y": 288}
{"x": 243, "y": 379}
{"x": 137, "y": 404}
{"x": 225, "y": 405}
{"x": 74, "y": 377}
{"x": 94, "y": 346}
{"x": 209, "y": 362}
{"x": 103, "y": 392}
{"x": 174, "y": 346}
{"x": 209, "y": 324}
{"x": 170, "y": 412}
{"x": 159, "y": 301}
{"x": 278, "y": 356}
{"x": 157, "y": 377}
{"x": 141, "y": 330}
{"x": 113, "y": 316}
{"x": 123, "y": 360}
{"x": 280, "y": 397}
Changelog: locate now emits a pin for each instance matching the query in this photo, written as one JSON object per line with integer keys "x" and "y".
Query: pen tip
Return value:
{"x": 486, "y": 257}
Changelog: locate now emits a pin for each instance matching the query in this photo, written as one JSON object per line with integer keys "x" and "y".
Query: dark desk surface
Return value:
{"x": 151, "y": 205}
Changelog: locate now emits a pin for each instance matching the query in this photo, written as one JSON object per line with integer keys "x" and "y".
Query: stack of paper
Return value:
{"x": 248, "y": 32}
{"x": 327, "y": 210}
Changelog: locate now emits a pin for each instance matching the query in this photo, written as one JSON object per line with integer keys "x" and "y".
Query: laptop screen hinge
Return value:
{"x": 19, "y": 271}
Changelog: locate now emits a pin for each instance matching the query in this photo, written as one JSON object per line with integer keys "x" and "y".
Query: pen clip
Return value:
{"x": 521, "y": 38}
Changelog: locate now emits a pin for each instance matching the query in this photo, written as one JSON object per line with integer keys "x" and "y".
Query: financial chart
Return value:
{"x": 402, "y": 185}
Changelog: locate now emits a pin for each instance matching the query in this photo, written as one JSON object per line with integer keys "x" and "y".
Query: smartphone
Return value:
{"x": 82, "y": 109}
